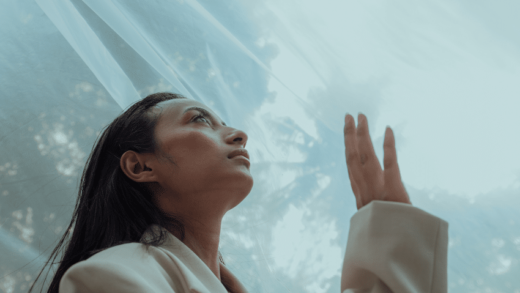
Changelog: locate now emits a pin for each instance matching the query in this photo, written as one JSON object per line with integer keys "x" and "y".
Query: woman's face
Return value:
{"x": 201, "y": 180}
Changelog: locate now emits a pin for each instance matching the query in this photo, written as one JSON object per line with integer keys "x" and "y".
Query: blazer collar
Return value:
{"x": 195, "y": 264}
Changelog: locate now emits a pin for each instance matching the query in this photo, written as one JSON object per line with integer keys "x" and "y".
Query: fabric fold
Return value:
{"x": 395, "y": 247}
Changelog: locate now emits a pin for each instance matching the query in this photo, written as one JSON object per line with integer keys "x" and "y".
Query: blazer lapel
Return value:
{"x": 199, "y": 271}
{"x": 231, "y": 281}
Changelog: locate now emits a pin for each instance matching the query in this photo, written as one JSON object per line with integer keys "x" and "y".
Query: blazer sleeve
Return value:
{"x": 395, "y": 248}
{"x": 102, "y": 277}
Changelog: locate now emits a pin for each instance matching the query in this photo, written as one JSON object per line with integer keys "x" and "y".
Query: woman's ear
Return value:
{"x": 137, "y": 167}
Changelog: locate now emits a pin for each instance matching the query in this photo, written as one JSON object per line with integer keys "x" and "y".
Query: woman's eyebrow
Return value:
{"x": 202, "y": 110}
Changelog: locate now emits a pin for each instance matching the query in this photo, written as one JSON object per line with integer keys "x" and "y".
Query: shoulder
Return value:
{"x": 127, "y": 253}
{"x": 122, "y": 268}
{"x": 133, "y": 256}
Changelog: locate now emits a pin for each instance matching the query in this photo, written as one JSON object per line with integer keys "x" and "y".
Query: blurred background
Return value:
{"x": 444, "y": 75}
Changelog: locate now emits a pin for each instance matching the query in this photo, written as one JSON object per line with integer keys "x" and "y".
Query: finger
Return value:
{"x": 352, "y": 156}
{"x": 355, "y": 190}
{"x": 370, "y": 164}
{"x": 393, "y": 183}
{"x": 365, "y": 146}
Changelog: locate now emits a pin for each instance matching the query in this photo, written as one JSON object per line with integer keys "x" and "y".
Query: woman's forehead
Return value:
{"x": 173, "y": 110}
{"x": 178, "y": 104}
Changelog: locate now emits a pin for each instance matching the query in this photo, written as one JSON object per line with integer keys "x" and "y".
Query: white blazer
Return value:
{"x": 391, "y": 247}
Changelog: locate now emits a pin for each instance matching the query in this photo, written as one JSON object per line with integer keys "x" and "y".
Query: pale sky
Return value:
{"x": 444, "y": 80}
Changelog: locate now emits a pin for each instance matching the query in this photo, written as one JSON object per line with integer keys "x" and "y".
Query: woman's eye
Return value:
{"x": 200, "y": 116}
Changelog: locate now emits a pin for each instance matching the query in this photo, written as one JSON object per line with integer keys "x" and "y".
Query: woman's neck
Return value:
{"x": 203, "y": 239}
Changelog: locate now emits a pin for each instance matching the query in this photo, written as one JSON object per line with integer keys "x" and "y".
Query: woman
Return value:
{"x": 164, "y": 173}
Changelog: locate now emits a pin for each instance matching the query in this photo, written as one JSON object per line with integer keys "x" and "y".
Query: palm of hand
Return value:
{"x": 368, "y": 181}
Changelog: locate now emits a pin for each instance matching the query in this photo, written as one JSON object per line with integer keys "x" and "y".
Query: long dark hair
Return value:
{"x": 112, "y": 209}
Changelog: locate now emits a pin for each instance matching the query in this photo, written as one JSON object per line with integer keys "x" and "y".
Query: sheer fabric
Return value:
{"x": 443, "y": 75}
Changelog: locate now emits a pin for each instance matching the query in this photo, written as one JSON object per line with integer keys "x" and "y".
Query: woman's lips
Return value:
{"x": 239, "y": 152}
{"x": 242, "y": 158}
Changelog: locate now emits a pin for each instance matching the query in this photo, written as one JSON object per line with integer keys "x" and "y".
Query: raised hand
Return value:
{"x": 369, "y": 182}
